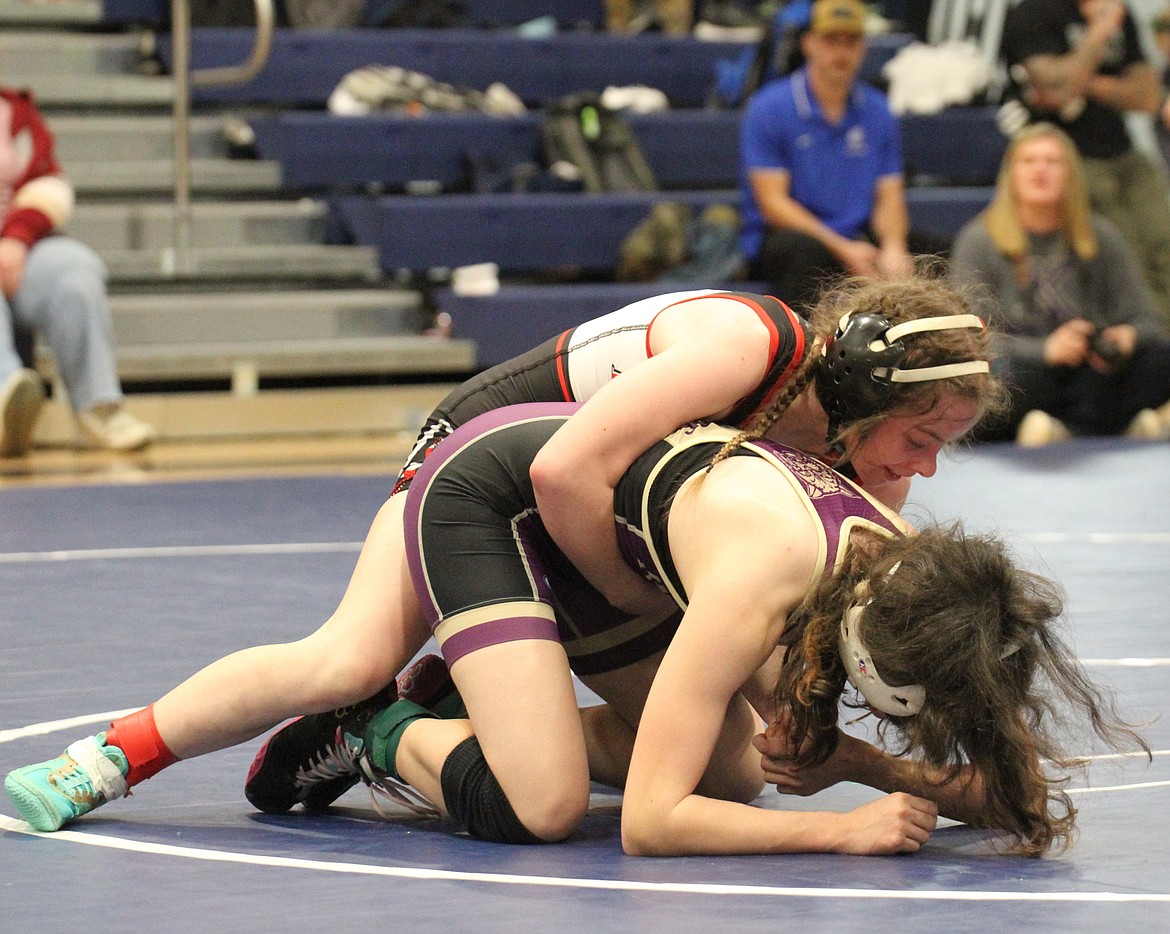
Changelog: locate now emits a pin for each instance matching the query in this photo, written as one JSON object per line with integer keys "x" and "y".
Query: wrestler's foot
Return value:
{"x": 313, "y": 761}
{"x": 87, "y": 775}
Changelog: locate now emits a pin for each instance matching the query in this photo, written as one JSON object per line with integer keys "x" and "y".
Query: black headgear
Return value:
{"x": 859, "y": 364}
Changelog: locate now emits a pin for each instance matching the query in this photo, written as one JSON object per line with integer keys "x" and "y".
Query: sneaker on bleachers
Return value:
{"x": 1039, "y": 429}
{"x": 21, "y": 397}
{"x": 110, "y": 426}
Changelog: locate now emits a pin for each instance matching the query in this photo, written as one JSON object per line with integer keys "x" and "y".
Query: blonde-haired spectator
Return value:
{"x": 1081, "y": 343}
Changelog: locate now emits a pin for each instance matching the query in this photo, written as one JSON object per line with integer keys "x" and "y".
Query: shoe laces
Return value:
{"x": 337, "y": 760}
{"x": 90, "y": 775}
{"x": 383, "y": 785}
{"x": 391, "y": 790}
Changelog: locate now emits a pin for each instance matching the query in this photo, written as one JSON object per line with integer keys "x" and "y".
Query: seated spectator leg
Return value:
{"x": 63, "y": 298}
{"x": 1111, "y": 401}
{"x": 796, "y": 265}
{"x": 25, "y": 340}
{"x": 1033, "y": 385}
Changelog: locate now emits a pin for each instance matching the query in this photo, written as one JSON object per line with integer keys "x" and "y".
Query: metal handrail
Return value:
{"x": 184, "y": 78}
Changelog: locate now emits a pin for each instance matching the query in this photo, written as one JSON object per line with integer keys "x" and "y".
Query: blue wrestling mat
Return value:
{"x": 111, "y": 595}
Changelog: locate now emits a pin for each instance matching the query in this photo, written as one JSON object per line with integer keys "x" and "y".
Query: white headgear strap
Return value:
{"x": 927, "y": 373}
{"x": 863, "y": 674}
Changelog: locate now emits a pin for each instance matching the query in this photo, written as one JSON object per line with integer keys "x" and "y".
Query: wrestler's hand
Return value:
{"x": 1105, "y": 18}
{"x": 897, "y": 823}
{"x": 780, "y": 769}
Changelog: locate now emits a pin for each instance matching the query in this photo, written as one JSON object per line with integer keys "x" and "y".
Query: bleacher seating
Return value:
{"x": 486, "y": 13}
{"x": 694, "y": 148}
{"x": 518, "y": 317}
{"x": 520, "y": 232}
{"x": 366, "y": 164}
{"x": 540, "y": 232}
{"x": 306, "y": 65}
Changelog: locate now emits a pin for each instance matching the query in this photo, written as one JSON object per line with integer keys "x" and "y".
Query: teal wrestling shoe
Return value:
{"x": 85, "y": 776}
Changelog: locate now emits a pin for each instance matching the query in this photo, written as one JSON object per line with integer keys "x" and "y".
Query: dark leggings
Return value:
{"x": 1088, "y": 402}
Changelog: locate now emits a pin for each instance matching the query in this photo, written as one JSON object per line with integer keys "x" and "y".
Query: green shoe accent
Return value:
{"x": 428, "y": 682}
{"x": 385, "y": 733}
{"x": 87, "y": 775}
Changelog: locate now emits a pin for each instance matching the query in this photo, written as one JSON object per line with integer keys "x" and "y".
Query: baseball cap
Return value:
{"x": 837, "y": 16}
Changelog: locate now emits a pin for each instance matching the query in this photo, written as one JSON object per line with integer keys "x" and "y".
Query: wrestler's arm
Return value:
{"x": 708, "y": 354}
{"x": 959, "y": 797}
{"x": 746, "y": 556}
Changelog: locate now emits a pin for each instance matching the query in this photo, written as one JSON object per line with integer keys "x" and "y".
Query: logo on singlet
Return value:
{"x": 614, "y": 372}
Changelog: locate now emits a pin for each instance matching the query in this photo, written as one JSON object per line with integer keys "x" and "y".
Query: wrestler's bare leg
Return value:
{"x": 523, "y": 710}
{"x": 376, "y": 629}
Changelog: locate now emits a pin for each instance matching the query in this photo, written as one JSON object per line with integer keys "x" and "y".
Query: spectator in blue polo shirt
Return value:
{"x": 822, "y": 168}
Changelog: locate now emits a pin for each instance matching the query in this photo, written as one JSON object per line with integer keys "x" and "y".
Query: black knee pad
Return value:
{"x": 474, "y": 797}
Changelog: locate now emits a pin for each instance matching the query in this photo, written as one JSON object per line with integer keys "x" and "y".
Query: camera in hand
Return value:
{"x": 1108, "y": 350}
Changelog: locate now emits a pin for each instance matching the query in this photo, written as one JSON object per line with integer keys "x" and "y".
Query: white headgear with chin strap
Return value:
{"x": 862, "y": 672}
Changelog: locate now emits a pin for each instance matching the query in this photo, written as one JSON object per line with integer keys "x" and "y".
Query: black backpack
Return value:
{"x": 597, "y": 140}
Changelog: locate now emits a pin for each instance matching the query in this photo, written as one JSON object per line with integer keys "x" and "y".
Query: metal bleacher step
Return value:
{"x": 151, "y": 225}
{"x": 284, "y": 413}
{"x": 59, "y": 53}
{"x": 262, "y": 262}
{"x": 82, "y": 69}
{"x": 66, "y": 90}
{"x": 56, "y": 13}
{"x": 130, "y": 137}
{"x": 157, "y": 176}
{"x": 243, "y": 337}
{"x": 233, "y": 316}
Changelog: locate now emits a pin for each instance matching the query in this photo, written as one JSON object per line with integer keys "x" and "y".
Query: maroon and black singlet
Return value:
{"x": 487, "y": 572}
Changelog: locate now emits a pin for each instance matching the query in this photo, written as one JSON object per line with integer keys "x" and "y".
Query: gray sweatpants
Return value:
{"x": 62, "y": 297}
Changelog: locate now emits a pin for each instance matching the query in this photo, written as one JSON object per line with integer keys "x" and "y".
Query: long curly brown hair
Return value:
{"x": 924, "y": 295}
{"x": 979, "y": 633}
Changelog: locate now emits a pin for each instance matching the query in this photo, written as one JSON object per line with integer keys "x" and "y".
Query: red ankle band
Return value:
{"x": 137, "y": 736}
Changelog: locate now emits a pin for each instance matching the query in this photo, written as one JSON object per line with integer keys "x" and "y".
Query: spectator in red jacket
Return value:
{"x": 55, "y": 287}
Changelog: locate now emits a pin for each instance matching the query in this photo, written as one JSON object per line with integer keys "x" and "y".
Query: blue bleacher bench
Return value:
{"x": 306, "y": 65}
{"x": 520, "y": 232}
{"x": 517, "y": 318}
{"x": 494, "y": 13}
{"x": 691, "y": 148}
{"x": 546, "y": 231}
